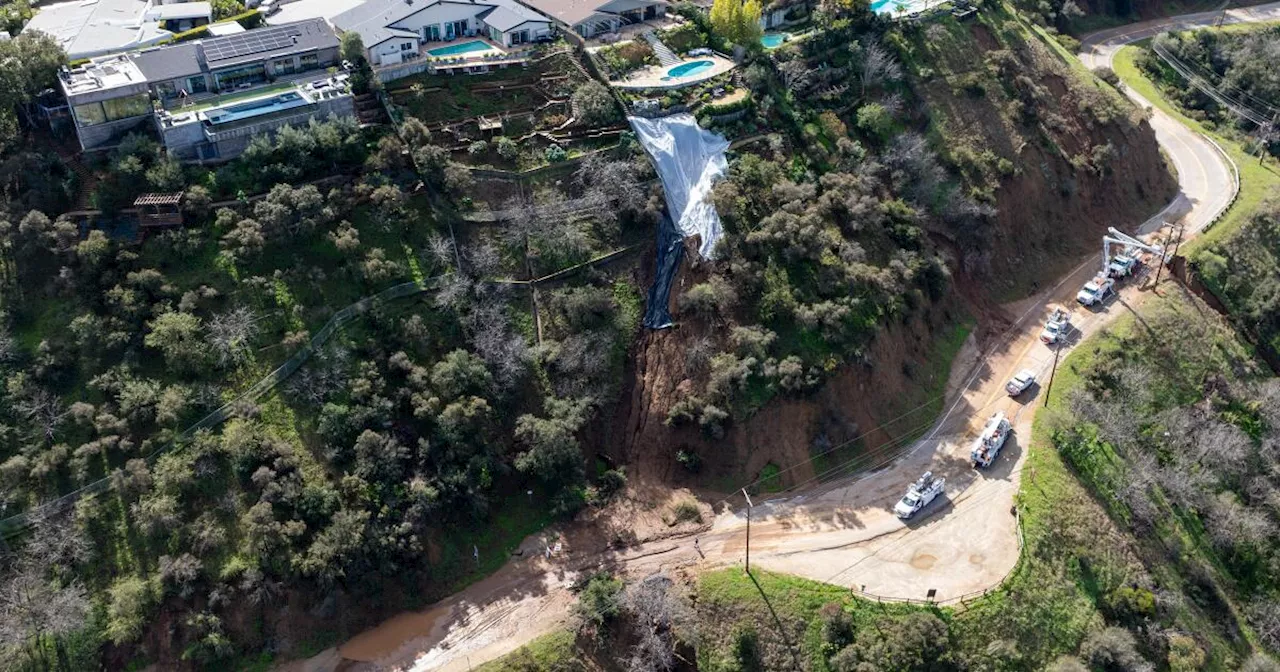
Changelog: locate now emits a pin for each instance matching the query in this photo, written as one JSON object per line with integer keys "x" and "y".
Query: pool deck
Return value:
{"x": 652, "y": 76}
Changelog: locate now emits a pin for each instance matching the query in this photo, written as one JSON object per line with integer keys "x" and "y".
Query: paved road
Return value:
{"x": 843, "y": 533}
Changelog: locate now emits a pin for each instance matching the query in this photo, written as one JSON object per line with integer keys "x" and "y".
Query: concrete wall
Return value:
{"x": 108, "y": 134}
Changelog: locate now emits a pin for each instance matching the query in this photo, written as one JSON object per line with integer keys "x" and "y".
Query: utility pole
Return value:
{"x": 1047, "y": 388}
{"x": 749, "y": 505}
{"x": 1164, "y": 254}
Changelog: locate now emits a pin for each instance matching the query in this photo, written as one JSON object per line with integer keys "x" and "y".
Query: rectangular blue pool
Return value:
{"x": 285, "y": 101}
{"x": 460, "y": 48}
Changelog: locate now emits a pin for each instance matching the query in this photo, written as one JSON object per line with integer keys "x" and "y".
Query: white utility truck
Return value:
{"x": 988, "y": 444}
{"x": 924, "y": 490}
{"x": 1055, "y": 328}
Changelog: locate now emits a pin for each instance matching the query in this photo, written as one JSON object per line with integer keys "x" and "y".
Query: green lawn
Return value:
{"x": 1258, "y": 181}
{"x": 554, "y": 652}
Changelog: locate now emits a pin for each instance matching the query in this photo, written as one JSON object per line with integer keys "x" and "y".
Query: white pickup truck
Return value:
{"x": 986, "y": 448}
{"x": 924, "y": 490}
{"x": 1096, "y": 290}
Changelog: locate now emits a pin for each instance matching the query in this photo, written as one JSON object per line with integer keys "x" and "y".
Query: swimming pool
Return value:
{"x": 690, "y": 69}
{"x": 460, "y": 48}
{"x": 773, "y": 40}
{"x": 886, "y": 6}
{"x": 285, "y": 101}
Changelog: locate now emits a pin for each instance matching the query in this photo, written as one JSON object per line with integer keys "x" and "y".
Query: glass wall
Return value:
{"x": 115, "y": 109}
{"x": 246, "y": 76}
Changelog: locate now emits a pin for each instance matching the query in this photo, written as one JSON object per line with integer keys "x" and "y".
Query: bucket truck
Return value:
{"x": 919, "y": 494}
{"x": 1123, "y": 263}
{"x": 986, "y": 448}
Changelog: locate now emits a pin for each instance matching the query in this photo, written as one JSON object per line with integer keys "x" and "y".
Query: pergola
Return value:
{"x": 159, "y": 210}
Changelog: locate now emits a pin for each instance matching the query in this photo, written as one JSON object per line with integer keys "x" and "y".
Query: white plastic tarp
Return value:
{"x": 689, "y": 159}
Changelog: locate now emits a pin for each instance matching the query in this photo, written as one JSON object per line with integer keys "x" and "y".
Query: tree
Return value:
{"x": 224, "y": 9}
{"x": 31, "y": 61}
{"x": 658, "y": 615}
{"x": 128, "y": 608}
{"x": 553, "y": 453}
{"x": 39, "y": 596}
{"x": 178, "y": 336}
{"x": 595, "y": 104}
{"x": 351, "y": 48}
{"x": 737, "y": 21}
{"x": 917, "y": 642}
{"x": 875, "y": 120}
{"x": 459, "y": 373}
{"x": 599, "y": 603}
{"x": 230, "y": 333}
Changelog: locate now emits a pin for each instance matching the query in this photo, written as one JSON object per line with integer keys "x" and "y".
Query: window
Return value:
{"x": 431, "y": 33}
{"x": 166, "y": 89}
{"x": 130, "y": 106}
{"x": 284, "y": 66}
{"x": 90, "y": 114}
{"x": 197, "y": 85}
{"x": 309, "y": 62}
{"x": 406, "y": 46}
{"x": 242, "y": 77}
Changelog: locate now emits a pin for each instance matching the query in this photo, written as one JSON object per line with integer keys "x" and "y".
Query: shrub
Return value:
{"x": 685, "y": 511}
{"x": 507, "y": 148}
{"x": 595, "y": 104}
{"x": 599, "y": 603}
{"x": 477, "y": 147}
{"x": 875, "y": 120}
{"x": 1113, "y": 649}
{"x": 1107, "y": 75}
{"x": 555, "y": 154}
{"x": 683, "y": 38}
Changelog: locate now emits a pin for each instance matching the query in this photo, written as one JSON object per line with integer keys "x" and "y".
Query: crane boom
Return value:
{"x": 1126, "y": 241}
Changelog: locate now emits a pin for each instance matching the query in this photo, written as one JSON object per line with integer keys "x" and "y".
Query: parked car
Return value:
{"x": 1020, "y": 382}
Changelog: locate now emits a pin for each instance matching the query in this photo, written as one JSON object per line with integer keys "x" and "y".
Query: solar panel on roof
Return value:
{"x": 254, "y": 42}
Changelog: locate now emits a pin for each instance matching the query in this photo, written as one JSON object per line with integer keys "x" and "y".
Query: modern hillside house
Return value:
{"x": 395, "y": 31}
{"x": 589, "y": 18}
{"x": 207, "y": 99}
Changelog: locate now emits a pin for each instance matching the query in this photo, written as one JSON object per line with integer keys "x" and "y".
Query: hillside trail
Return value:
{"x": 842, "y": 532}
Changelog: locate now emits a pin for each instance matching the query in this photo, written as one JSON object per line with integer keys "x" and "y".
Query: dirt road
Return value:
{"x": 843, "y": 533}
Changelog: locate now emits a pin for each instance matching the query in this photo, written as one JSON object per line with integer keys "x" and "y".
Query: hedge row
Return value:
{"x": 249, "y": 20}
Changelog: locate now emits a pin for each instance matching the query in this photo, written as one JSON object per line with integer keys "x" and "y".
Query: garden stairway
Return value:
{"x": 369, "y": 110}
{"x": 662, "y": 51}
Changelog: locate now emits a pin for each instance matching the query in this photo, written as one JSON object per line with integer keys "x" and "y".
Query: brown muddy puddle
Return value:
{"x": 390, "y": 636}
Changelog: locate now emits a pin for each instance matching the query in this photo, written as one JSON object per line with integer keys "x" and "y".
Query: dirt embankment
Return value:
{"x": 849, "y": 408}
{"x": 1083, "y": 160}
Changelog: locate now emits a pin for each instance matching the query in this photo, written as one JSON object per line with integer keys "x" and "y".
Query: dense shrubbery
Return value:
{"x": 1240, "y": 63}
{"x": 1245, "y": 271}
{"x": 401, "y": 435}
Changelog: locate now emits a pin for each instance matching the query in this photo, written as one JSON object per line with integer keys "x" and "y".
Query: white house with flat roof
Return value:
{"x": 88, "y": 28}
{"x": 394, "y": 31}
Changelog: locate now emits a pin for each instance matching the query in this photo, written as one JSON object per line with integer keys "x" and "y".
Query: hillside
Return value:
{"x": 999, "y": 166}
{"x": 375, "y": 358}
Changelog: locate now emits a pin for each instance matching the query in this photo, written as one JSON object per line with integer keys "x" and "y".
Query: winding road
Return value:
{"x": 843, "y": 533}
